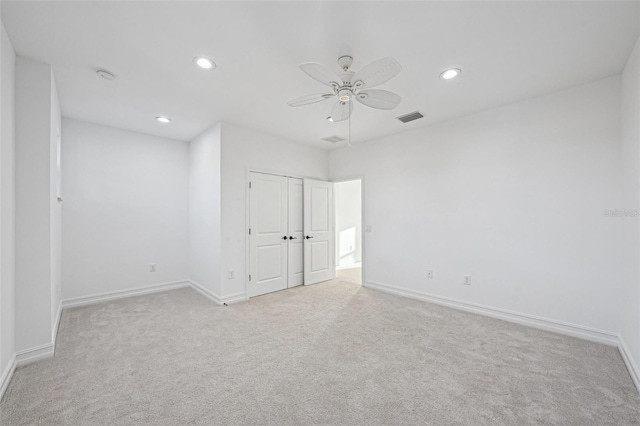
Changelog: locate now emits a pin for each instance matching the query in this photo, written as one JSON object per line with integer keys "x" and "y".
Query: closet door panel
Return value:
{"x": 268, "y": 250}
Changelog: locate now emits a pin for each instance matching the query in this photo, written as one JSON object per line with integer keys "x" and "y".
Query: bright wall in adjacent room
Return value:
{"x": 347, "y": 196}
{"x": 515, "y": 197}
{"x": 125, "y": 207}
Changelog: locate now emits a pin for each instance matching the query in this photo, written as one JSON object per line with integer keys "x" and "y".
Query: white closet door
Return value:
{"x": 296, "y": 232}
{"x": 269, "y": 233}
{"x": 318, "y": 231}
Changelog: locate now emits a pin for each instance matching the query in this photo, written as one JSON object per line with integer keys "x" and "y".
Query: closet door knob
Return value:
{"x": 284, "y": 238}
{"x": 307, "y": 237}
{"x": 293, "y": 238}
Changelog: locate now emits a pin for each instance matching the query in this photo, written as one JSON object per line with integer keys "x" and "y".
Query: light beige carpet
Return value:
{"x": 332, "y": 353}
{"x": 353, "y": 275}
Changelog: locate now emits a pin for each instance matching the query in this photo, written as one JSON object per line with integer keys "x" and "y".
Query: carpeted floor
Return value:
{"x": 332, "y": 353}
{"x": 353, "y": 275}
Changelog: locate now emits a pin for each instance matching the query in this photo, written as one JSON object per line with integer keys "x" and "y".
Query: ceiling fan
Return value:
{"x": 350, "y": 85}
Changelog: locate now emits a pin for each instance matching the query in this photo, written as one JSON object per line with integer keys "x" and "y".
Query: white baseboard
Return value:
{"x": 234, "y": 298}
{"x": 587, "y": 333}
{"x": 155, "y": 288}
{"x": 205, "y": 292}
{"x": 634, "y": 371}
{"x": 7, "y": 374}
{"x": 30, "y": 355}
{"x": 112, "y": 295}
{"x": 218, "y": 300}
{"x": 27, "y": 356}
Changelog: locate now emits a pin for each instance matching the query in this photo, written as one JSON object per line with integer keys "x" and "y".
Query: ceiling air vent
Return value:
{"x": 410, "y": 117}
{"x": 334, "y": 139}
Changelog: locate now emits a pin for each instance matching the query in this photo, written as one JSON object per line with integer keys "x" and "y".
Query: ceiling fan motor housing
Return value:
{"x": 346, "y": 78}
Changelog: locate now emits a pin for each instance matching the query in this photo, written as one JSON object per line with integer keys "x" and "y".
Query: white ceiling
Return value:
{"x": 508, "y": 51}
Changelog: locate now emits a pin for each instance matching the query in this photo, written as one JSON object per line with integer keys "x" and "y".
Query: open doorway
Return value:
{"x": 348, "y": 239}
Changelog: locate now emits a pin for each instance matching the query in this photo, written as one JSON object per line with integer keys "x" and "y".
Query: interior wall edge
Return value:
{"x": 56, "y": 324}
{"x": 217, "y": 299}
{"x": 205, "y": 292}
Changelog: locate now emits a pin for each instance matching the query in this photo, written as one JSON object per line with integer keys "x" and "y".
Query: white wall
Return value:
{"x": 7, "y": 201}
{"x": 242, "y": 150}
{"x": 513, "y": 196}
{"x": 204, "y": 210}
{"x": 125, "y": 207}
{"x": 630, "y": 301}
{"x": 55, "y": 206}
{"x": 33, "y": 282}
{"x": 348, "y": 210}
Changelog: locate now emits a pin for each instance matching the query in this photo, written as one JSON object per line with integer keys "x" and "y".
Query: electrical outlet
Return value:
{"x": 467, "y": 280}
{"x": 429, "y": 273}
{"x": 232, "y": 274}
{"x": 152, "y": 267}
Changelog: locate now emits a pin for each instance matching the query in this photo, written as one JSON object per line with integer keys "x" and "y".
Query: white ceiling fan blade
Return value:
{"x": 378, "y": 99}
{"x": 320, "y": 73}
{"x": 310, "y": 99}
{"x": 341, "y": 111}
{"x": 376, "y": 73}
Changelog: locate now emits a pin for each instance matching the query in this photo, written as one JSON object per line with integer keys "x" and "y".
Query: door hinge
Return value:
{"x": 249, "y": 185}
{"x": 249, "y": 231}
{"x": 249, "y": 277}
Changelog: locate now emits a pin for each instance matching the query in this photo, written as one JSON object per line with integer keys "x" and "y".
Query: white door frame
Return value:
{"x": 362, "y": 223}
{"x": 247, "y": 242}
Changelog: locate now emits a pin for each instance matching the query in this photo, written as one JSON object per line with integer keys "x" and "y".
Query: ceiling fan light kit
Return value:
{"x": 348, "y": 85}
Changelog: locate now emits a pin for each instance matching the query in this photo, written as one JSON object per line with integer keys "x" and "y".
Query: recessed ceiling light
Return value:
{"x": 203, "y": 62}
{"x": 450, "y": 73}
{"x": 106, "y": 75}
{"x": 164, "y": 120}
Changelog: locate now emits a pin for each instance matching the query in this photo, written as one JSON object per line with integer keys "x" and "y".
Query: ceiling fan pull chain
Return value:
{"x": 349, "y": 130}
